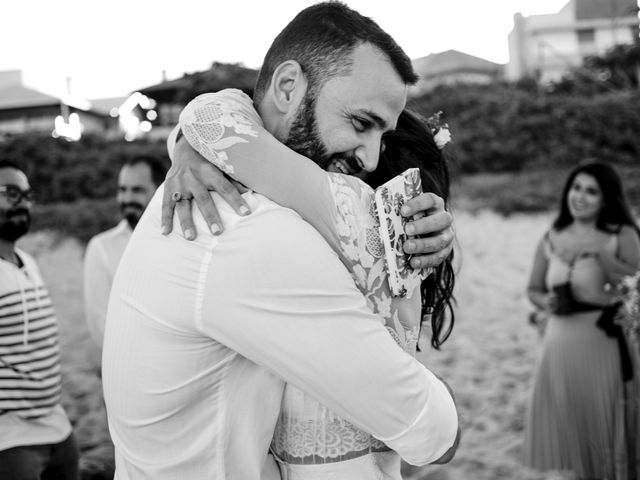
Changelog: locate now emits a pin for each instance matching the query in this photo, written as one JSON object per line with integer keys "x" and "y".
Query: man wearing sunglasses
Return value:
{"x": 36, "y": 439}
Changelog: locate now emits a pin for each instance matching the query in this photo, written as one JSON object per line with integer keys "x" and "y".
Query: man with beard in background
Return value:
{"x": 36, "y": 439}
{"x": 137, "y": 182}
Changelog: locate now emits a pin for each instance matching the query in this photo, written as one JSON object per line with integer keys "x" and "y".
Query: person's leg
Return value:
{"x": 63, "y": 464}
{"x": 23, "y": 463}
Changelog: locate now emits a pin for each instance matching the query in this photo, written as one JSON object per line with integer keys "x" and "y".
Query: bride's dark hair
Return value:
{"x": 411, "y": 145}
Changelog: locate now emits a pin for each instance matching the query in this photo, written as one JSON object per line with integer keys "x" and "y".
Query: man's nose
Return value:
{"x": 124, "y": 196}
{"x": 369, "y": 153}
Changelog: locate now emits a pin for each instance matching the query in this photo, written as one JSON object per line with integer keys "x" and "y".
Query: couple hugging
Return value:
{"x": 252, "y": 352}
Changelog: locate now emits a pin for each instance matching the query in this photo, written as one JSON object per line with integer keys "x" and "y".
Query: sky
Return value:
{"x": 110, "y": 48}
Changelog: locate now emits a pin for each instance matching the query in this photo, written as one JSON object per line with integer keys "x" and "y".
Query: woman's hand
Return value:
{"x": 551, "y": 302}
{"x": 194, "y": 177}
{"x": 435, "y": 231}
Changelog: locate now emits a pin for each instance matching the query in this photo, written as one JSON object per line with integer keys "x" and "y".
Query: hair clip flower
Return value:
{"x": 439, "y": 129}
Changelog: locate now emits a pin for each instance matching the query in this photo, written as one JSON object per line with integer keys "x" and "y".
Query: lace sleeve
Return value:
{"x": 225, "y": 128}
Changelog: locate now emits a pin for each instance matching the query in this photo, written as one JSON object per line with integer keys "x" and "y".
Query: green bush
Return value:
{"x": 528, "y": 191}
{"x": 81, "y": 219}
{"x": 61, "y": 171}
{"x": 511, "y": 128}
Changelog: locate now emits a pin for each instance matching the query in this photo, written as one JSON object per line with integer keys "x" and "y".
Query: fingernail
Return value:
{"x": 415, "y": 263}
{"x": 410, "y": 246}
{"x": 165, "y": 230}
{"x": 188, "y": 233}
{"x": 244, "y": 210}
{"x": 410, "y": 229}
{"x": 215, "y": 229}
{"x": 404, "y": 210}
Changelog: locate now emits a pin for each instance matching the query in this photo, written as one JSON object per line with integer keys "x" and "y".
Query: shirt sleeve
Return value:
{"x": 302, "y": 317}
{"x": 225, "y": 128}
{"x": 97, "y": 285}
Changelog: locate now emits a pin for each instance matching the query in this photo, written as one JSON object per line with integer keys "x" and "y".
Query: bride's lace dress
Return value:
{"x": 311, "y": 441}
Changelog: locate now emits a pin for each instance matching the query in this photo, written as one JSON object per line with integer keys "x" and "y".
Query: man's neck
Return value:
{"x": 274, "y": 123}
{"x": 8, "y": 251}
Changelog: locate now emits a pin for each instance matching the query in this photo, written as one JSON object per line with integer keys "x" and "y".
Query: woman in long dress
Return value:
{"x": 310, "y": 441}
{"x": 577, "y": 417}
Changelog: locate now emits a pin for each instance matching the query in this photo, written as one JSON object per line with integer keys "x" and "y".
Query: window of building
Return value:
{"x": 586, "y": 36}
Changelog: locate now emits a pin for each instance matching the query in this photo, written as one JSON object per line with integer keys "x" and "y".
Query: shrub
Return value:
{"x": 81, "y": 219}
{"x": 511, "y": 128}
{"x": 61, "y": 171}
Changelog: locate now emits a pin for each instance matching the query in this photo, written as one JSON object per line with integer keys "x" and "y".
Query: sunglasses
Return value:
{"x": 15, "y": 194}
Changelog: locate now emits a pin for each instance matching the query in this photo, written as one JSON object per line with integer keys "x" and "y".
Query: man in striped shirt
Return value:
{"x": 36, "y": 440}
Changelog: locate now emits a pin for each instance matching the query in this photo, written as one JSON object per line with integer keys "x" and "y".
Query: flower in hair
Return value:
{"x": 439, "y": 129}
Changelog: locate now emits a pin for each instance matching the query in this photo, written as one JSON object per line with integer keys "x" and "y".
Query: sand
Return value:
{"x": 489, "y": 360}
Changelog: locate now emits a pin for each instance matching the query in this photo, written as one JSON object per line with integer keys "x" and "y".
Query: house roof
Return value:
{"x": 105, "y": 105}
{"x": 218, "y": 77}
{"x": 19, "y": 96}
{"x": 178, "y": 83}
{"x": 452, "y": 61}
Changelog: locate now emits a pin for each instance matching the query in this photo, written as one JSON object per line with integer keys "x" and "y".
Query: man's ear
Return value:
{"x": 289, "y": 86}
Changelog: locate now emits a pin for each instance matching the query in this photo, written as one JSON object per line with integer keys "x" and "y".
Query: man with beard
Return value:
{"x": 202, "y": 335}
{"x": 137, "y": 182}
{"x": 36, "y": 439}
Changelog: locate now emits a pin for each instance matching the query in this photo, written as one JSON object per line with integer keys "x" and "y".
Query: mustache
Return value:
{"x": 131, "y": 205}
{"x": 18, "y": 211}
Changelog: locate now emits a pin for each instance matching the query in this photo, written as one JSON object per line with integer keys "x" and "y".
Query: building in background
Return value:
{"x": 451, "y": 67}
{"x": 546, "y": 47}
{"x": 170, "y": 96}
{"x": 24, "y": 109}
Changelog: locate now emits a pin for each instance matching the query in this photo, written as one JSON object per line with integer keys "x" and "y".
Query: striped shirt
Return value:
{"x": 30, "y": 380}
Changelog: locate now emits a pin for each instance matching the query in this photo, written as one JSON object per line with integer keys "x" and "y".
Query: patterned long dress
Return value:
{"x": 579, "y": 416}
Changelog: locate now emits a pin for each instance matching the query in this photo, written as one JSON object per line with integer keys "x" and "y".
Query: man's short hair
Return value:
{"x": 11, "y": 164}
{"x": 322, "y": 38}
{"x": 157, "y": 167}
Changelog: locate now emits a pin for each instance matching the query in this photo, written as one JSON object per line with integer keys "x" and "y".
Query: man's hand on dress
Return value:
{"x": 432, "y": 235}
{"x": 193, "y": 177}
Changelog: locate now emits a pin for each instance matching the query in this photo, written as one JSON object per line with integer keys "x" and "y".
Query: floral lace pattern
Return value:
{"x": 205, "y": 126}
{"x": 359, "y": 240}
{"x": 308, "y": 433}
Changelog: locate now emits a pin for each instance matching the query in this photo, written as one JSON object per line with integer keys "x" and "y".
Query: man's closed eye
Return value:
{"x": 361, "y": 124}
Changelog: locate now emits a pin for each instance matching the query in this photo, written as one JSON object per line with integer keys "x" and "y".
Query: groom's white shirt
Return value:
{"x": 202, "y": 335}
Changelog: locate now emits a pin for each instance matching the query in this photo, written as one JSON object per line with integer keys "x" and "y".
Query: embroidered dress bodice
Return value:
{"x": 225, "y": 128}
{"x": 583, "y": 271}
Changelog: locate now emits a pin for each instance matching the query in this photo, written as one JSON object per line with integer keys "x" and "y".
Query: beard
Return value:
{"x": 131, "y": 212}
{"x": 304, "y": 138}
{"x": 16, "y": 224}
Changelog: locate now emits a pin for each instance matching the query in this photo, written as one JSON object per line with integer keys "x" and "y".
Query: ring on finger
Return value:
{"x": 179, "y": 196}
